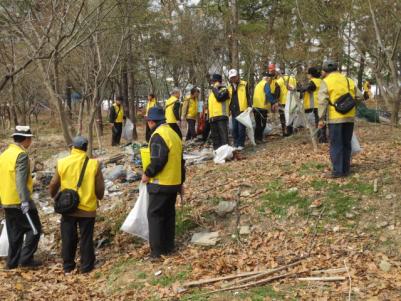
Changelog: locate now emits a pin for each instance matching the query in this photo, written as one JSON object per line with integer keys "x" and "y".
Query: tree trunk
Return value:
{"x": 124, "y": 87}
{"x": 131, "y": 90}
{"x": 234, "y": 45}
{"x": 68, "y": 98}
{"x": 395, "y": 112}
{"x": 360, "y": 71}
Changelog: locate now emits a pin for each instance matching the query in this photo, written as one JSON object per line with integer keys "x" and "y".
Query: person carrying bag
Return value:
{"x": 81, "y": 183}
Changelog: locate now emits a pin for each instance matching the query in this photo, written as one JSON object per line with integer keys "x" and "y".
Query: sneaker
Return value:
{"x": 240, "y": 148}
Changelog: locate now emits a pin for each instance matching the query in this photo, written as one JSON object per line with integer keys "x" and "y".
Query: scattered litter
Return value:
{"x": 349, "y": 215}
{"x": 382, "y": 224}
{"x": 118, "y": 172}
{"x": 245, "y": 193}
{"x": 158, "y": 273}
{"x": 223, "y": 154}
{"x": 225, "y": 207}
{"x": 385, "y": 266}
{"x": 133, "y": 176}
{"x": 198, "y": 157}
{"x": 244, "y": 230}
{"x": 205, "y": 238}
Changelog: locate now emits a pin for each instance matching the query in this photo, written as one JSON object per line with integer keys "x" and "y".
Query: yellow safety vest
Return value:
{"x": 337, "y": 86}
{"x": 284, "y": 82}
{"x": 171, "y": 173}
{"x": 192, "y": 104}
{"x": 217, "y": 109}
{"x": 8, "y": 187}
{"x": 310, "y": 98}
{"x": 120, "y": 113}
{"x": 259, "y": 96}
{"x": 170, "y": 117}
{"x": 151, "y": 103}
{"x": 69, "y": 170}
{"x": 241, "y": 92}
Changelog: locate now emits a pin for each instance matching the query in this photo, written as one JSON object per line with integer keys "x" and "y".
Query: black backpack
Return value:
{"x": 67, "y": 200}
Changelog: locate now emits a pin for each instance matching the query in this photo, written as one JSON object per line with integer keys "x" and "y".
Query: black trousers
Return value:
{"x": 206, "y": 130}
{"x": 69, "y": 241}
{"x": 161, "y": 218}
{"x": 260, "y": 120}
{"x": 21, "y": 252}
{"x": 340, "y": 147}
{"x": 219, "y": 133}
{"x": 116, "y": 133}
{"x": 176, "y": 129}
{"x": 147, "y": 132}
{"x": 321, "y": 133}
{"x": 287, "y": 130}
{"x": 191, "y": 133}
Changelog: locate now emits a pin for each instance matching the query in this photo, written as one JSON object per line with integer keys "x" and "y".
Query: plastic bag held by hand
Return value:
{"x": 136, "y": 222}
{"x": 4, "y": 240}
{"x": 128, "y": 130}
{"x": 245, "y": 118}
{"x": 355, "y": 146}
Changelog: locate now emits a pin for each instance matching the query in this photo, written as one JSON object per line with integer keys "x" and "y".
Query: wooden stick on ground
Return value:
{"x": 329, "y": 271}
{"x": 350, "y": 283}
{"x": 228, "y": 277}
{"x": 335, "y": 278}
{"x": 270, "y": 271}
{"x": 244, "y": 286}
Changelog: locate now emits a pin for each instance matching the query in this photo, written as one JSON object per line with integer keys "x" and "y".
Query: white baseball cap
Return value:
{"x": 232, "y": 73}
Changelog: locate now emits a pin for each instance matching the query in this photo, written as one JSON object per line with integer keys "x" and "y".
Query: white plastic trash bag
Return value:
{"x": 136, "y": 222}
{"x": 290, "y": 107}
{"x": 355, "y": 146}
{"x": 223, "y": 153}
{"x": 245, "y": 118}
{"x": 128, "y": 130}
{"x": 4, "y": 240}
{"x": 268, "y": 129}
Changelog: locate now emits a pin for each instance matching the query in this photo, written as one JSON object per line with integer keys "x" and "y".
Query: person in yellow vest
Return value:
{"x": 218, "y": 110}
{"x": 150, "y": 104}
{"x": 341, "y": 125}
{"x": 67, "y": 174}
{"x": 164, "y": 176}
{"x": 239, "y": 102}
{"x": 286, "y": 83}
{"x": 366, "y": 90}
{"x": 16, "y": 199}
{"x": 190, "y": 112}
{"x": 310, "y": 98}
{"x": 173, "y": 110}
{"x": 262, "y": 103}
{"x": 116, "y": 117}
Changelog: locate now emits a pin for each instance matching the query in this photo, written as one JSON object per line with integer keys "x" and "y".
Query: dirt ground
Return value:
{"x": 293, "y": 210}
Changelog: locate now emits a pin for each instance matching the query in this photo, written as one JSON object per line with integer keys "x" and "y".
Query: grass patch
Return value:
{"x": 341, "y": 198}
{"x": 183, "y": 221}
{"x": 311, "y": 167}
{"x": 168, "y": 280}
{"x": 279, "y": 200}
{"x": 119, "y": 268}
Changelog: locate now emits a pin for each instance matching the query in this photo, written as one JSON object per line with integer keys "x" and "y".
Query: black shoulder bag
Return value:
{"x": 344, "y": 103}
{"x": 67, "y": 201}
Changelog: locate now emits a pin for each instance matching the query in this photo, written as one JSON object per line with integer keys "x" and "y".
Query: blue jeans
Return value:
{"x": 239, "y": 133}
{"x": 340, "y": 147}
